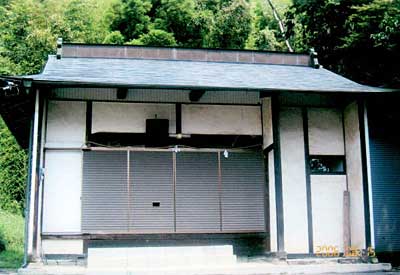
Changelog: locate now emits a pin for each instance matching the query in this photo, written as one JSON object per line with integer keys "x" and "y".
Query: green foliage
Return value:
{"x": 265, "y": 34}
{"x": 194, "y": 23}
{"x": 12, "y": 234}
{"x": 232, "y": 25}
{"x": 13, "y": 166}
{"x": 264, "y": 39}
{"x": 356, "y": 38}
{"x": 114, "y": 37}
{"x": 155, "y": 38}
{"x": 179, "y": 17}
{"x": 130, "y": 18}
{"x": 29, "y": 30}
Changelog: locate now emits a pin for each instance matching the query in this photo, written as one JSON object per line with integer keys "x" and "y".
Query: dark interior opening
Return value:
{"x": 327, "y": 164}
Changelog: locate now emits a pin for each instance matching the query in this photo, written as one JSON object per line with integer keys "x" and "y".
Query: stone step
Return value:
{"x": 138, "y": 257}
{"x": 235, "y": 269}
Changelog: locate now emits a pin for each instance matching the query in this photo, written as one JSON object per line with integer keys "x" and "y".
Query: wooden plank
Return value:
{"x": 346, "y": 220}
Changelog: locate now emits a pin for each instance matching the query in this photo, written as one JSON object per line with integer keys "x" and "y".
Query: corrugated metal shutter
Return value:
{"x": 197, "y": 198}
{"x": 385, "y": 172}
{"x": 151, "y": 178}
{"x": 104, "y": 192}
{"x": 243, "y": 188}
{"x": 201, "y": 194}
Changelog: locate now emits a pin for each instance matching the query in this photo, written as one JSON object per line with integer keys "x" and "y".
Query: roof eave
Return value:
{"x": 63, "y": 83}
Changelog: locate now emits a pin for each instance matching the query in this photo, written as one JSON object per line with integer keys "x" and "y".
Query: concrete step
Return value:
{"x": 159, "y": 257}
{"x": 250, "y": 269}
{"x": 235, "y": 269}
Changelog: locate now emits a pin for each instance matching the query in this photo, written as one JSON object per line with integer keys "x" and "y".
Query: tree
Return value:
{"x": 13, "y": 172}
{"x": 232, "y": 25}
{"x": 130, "y": 18}
{"x": 178, "y": 17}
{"x": 16, "y": 38}
{"x": 28, "y": 33}
{"x": 373, "y": 31}
{"x": 265, "y": 33}
{"x": 155, "y": 38}
{"x": 346, "y": 32}
{"x": 114, "y": 37}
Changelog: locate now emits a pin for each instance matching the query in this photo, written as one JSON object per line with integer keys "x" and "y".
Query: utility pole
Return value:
{"x": 280, "y": 23}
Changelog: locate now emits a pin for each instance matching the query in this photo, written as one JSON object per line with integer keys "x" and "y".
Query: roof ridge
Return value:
{"x": 175, "y": 53}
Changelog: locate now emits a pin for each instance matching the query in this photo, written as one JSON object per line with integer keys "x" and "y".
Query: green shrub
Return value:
{"x": 13, "y": 166}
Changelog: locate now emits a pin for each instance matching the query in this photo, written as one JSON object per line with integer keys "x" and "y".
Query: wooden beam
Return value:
{"x": 154, "y": 236}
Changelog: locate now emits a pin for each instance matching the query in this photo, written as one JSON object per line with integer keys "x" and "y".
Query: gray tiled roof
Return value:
{"x": 194, "y": 74}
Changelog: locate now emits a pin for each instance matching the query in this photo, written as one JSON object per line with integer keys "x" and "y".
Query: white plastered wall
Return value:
{"x": 221, "y": 119}
{"x": 66, "y": 129}
{"x": 66, "y": 123}
{"x": 327, "y": 210}
{"x": 62, "y": 246}
{"x": 325, "y": 131}
{"x": 129, "y": 117}
{"x": 62, "y": 192}
{"x": 293, "y": 180}
{"x": 354, "y": 175}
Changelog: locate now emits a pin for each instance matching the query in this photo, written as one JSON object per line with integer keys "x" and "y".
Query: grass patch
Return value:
{"x": 12, "y": 234}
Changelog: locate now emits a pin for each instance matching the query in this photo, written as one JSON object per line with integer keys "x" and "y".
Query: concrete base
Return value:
{"x": 159, "y": 257}
{"x": 248, "y": 268}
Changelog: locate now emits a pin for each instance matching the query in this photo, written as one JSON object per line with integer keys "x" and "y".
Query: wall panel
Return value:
{"x": 62, "y": 247}
{"x": 66, "y": 122}
{"x": 327, "y": 210}
{"x": 62, "y": 192}
{"x": 293, "y": 180}
{"x": 325, "y": 131}
{"x": 129, "y": 117}
{"x": 221, "y": 119}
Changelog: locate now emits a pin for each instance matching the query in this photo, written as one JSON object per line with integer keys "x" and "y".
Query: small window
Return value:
{"x": 327, "y": 165}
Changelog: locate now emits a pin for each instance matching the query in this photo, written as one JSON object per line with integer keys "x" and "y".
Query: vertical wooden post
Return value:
{"x": 346, "y": 221}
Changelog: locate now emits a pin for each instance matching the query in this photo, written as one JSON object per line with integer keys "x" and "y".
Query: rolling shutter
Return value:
{"x": 197, "y": 199}
{"x": 385, "y": 172}
{"x": 104, "y": 192}
{"x": 243, "y": 188}
{"x": 165, "y": 192}
{"x": 152, "y": 192}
